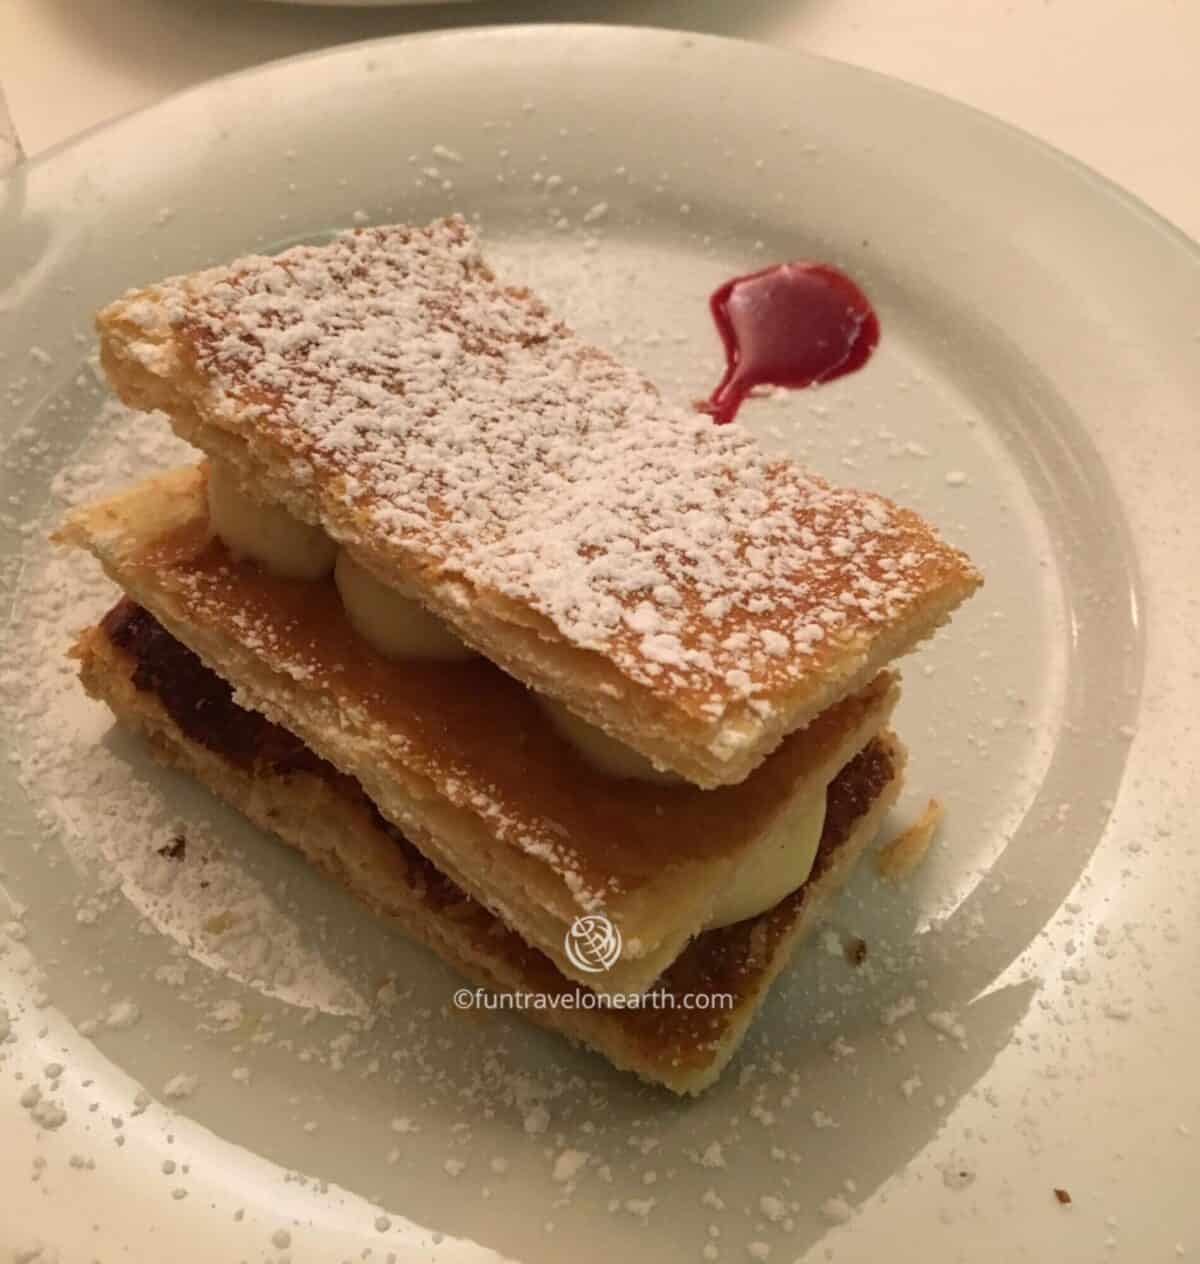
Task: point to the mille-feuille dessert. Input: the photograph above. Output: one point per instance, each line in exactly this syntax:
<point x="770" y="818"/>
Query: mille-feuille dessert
<point x="459" y="607"/>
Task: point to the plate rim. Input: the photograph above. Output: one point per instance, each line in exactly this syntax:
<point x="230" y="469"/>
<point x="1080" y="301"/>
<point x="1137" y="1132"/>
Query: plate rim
<point x="1128" y="201"/>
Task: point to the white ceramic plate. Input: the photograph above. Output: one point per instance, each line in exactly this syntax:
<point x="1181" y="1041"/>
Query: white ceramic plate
<point x="1035" y="393"/>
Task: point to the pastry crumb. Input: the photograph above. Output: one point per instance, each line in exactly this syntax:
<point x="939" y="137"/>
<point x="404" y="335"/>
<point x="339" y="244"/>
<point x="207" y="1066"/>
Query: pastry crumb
<point x="176" y="849"/>
<point x="898" y="858"/>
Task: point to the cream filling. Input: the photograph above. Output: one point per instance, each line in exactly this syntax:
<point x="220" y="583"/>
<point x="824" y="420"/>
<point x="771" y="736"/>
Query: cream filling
<point x="267" y="534"/>
<point x="399" y="627"/>
<point x="778" y="863"/>
<point x="390" y="622"/>
<point x="600" y="750"/>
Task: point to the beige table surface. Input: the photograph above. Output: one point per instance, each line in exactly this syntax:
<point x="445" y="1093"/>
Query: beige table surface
<point x="1112" y="82"/>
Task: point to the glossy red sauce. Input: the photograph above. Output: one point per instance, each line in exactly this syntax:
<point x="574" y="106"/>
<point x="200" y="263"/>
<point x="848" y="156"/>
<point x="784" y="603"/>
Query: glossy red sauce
<point x="791" y="325"/>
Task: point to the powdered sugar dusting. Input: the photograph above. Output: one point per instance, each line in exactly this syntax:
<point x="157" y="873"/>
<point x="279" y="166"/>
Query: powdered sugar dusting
<point x="103" y="808"/>
<point x="492" y="445"/>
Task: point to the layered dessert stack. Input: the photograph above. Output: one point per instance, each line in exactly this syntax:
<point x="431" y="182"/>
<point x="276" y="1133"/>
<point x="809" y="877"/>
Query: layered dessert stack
<point x="459" y="607"/>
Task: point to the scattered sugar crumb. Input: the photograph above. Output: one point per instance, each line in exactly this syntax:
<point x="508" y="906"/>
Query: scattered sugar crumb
<point x="892" y="1014"/>
<point x="775" y="1209"/>
<point x="122" y="1015"/>
<point x="568" y="1164"/>
<point x="536" y="1120"/>
<point x="946" y="1023"/>
<point x="836" y="1210"/>
<point x="180" y="1086"/>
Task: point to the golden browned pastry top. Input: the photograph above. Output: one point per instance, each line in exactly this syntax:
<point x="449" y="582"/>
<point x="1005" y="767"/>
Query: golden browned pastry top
<point x="455" y="433"/>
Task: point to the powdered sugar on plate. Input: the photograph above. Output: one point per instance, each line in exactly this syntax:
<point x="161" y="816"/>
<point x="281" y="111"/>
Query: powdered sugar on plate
<point x="88" y="782"/>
